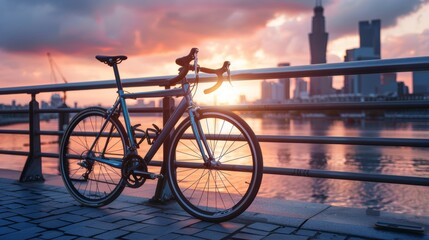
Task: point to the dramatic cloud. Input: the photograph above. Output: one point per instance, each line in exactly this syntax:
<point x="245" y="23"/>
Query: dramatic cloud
<point x="139" y="27"/>
<point x="344" y="15"/>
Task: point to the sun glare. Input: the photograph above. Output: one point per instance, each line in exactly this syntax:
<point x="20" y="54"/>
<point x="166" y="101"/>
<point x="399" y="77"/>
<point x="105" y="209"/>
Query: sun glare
<point x="225" y="95"/>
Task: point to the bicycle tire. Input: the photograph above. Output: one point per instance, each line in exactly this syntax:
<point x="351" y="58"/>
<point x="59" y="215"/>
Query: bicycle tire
<point x="93" y="183"/>
<point x="215" y="193"/>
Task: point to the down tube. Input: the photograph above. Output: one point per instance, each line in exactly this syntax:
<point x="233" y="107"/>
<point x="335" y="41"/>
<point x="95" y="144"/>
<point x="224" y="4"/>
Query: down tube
<point x="180" y="110"/>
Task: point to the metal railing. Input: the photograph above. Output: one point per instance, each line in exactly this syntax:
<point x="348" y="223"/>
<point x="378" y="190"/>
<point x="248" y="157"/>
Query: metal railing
<point x="32" y="170"/>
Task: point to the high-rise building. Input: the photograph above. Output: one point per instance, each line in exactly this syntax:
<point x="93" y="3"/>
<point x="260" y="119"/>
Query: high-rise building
<point x="369" y="38"/>
<point x="300" y="90"/>
<point x="421" y="82"/>
<point x="285" y="82"/>
<point x="369" y="32"/>
<point x="389" y="84"/>
<point x="266" y="91"/>
<point x="318" y="39"/>
<point x="363" y="84"/>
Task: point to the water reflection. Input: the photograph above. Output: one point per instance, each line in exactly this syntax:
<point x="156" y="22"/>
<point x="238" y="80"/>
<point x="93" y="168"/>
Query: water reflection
<point x="402" y="161"/>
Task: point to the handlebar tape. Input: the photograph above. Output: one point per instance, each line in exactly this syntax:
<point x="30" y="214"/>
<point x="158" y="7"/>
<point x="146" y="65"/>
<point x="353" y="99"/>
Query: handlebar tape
<point x="219" y="72"/>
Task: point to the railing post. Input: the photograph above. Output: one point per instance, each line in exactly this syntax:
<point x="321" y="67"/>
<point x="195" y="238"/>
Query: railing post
<point x="163" y="192"/>
<point x="33" y="166"/>
<point x="63" y="122"/>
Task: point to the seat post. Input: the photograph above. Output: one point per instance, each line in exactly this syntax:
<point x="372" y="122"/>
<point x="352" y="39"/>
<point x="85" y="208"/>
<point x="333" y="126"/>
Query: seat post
<point x="117" y="77"/>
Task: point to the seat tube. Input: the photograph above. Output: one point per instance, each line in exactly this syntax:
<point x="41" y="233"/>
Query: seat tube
<point x="124" y="106"/>
<point x="117" y="77"/>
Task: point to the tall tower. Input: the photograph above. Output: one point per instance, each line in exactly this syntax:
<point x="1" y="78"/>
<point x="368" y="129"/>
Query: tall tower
<point x="369" y="33"/>
<point x="318" y="36"/>
<point x="318" y="43"/>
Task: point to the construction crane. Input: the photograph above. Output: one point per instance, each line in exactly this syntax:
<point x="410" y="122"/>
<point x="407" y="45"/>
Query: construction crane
<point x="54" y="70"/>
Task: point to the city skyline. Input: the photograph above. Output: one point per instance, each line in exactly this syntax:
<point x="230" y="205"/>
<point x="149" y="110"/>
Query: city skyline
<point x="153" y="34"/>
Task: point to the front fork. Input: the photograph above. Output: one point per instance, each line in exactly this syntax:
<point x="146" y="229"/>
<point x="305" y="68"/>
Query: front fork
<point x="200" y="137"/>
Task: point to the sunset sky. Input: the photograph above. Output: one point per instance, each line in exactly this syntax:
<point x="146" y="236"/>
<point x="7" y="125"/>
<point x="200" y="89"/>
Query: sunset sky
<point x="249" y="33"/>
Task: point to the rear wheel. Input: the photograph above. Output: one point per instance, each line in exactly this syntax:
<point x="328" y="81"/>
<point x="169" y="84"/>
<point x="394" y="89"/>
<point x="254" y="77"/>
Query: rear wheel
<point x="227" y="186"/>
<point x="93" y="182"/>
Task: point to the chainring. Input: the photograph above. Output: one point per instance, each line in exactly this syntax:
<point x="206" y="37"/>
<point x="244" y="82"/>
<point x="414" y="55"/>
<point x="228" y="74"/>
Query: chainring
<point x="129" y="164"/>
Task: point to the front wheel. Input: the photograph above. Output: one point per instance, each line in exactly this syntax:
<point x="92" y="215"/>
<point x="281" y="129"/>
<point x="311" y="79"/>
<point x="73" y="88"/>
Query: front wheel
<point x="224" y="188"/>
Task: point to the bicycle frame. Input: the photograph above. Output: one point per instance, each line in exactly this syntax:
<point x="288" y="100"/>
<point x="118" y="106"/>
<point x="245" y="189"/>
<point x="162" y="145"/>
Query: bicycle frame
<point x="185" y="104"/>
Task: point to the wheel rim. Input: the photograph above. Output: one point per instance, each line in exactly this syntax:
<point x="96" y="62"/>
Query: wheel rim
<point x="92" y="182"/>
<point x="212" y="190"/>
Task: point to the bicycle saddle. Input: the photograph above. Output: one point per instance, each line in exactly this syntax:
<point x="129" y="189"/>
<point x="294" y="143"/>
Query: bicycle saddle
<point x="110" y="60"/>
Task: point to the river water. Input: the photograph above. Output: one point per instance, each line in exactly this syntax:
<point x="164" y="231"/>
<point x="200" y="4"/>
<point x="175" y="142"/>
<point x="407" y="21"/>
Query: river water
<point x="403" y="161"/>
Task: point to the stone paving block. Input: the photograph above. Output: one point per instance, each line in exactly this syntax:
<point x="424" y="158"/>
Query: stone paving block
<point x="54" y="224"/>
<point x="82" y="231"/>
<point x="4" y="222"/>
<point x="330" y="236"/>
<point x="6" y="230"/>
<point x="254" y="231"/>
<point x="207" y="234"/>
<point x="134" y="227"/>
<point x="134" y="236"/>
<point x="186" y="223"/>
<point x="202" y="224"/>
<point x="169" y="236"/>
<point x="187" y="238"/>
<point x="264" y="226"/>
<point x="66" y="237"/>
<point x="36" y="215"/>
<point x="247" y="236"/>
<point x="94" y="223"/>
<point x="26" y="210"/>
<point x="72" y="218"/>
<point x="14" y="206"/>
<point x="53" y="234"/>
<point x="304" y="232"/>
<point x="277" y="236"/>
<point x="172" y="216"/>
<point x="24" y="234"/>
<point x="160" y="221"/>
<point x="285" y="230"/>
<point x="17" y="219"/>
<point x="22" y="225"/>
<point x="226" y="227"/>
<point x="138" y="217"/>
<point x="123" y="223"/>
<point x="65" y="210"/>
<point x="158" y="230"/>
<point x="188" y="231"/>
<point x="114" y="234"/>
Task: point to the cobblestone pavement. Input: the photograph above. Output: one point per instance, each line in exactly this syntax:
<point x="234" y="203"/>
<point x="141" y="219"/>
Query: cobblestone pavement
<point x="41" y="211"/>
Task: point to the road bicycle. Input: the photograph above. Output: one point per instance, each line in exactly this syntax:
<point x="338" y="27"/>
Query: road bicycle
<point x="214" y="164"/>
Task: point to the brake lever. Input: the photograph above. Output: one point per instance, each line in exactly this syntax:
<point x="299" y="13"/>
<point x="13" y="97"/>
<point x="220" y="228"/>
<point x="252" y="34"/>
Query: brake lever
<point x="196" y="67"/>
<point x="228" y="72"/>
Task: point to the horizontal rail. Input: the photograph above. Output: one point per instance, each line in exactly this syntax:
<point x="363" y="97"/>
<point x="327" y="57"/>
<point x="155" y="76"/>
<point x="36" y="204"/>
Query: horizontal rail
<point x="371" y="177"/>
<point x="10" y="152"/>
<point x="404" y="142"/>
<point x="335" y="106"/>
<point x="330" y="69"/>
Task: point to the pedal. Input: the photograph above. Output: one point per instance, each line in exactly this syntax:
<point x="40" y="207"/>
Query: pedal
<point x="148" y="175"/>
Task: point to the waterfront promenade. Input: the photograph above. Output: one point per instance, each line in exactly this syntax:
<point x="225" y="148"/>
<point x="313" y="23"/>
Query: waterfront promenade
<point x="47" y="211"/>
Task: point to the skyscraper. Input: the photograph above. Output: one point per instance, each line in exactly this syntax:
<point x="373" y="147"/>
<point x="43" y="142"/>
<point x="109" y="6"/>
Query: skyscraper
<point x="369" y="38"/>
<point x="421" y="82"/>
<point x="286" y="82"/>
<point x="369" y="33"/>
<point x="318" y="43"/>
